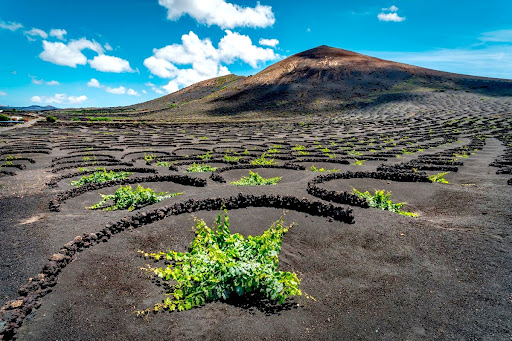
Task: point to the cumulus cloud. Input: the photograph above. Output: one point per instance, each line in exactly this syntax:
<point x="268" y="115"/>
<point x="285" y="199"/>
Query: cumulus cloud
<point x="132" y="92"/>
<point x="2" y="93"/>
<point x="94" y="83"/>
<point x="236" y="46"/>
<point x="106" y="63"/>
<point x="59" y="99"/>
<point x="116" y="91"/>
<point x="202" y="60"/>
<point x="10" y="25"/>
<point x="121" y="90"/>
<point x="35" y="32"/>
<point x="58" y="33"/>
<point x="52" y="83"/>
<point x="220" y="13"/>
<point x="269" y="42"/>
<point x="390" y="17"/>
<point x="68" y="54"/>
<point x="71" y="55"/>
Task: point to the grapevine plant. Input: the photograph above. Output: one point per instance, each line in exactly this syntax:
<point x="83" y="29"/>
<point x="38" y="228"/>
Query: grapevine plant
<point x="382" y="200"/>
<point x="200" y="168"/>
<point x="220" y="264"/>
<point x="128" y="198"/>
<point x="254" y="179"/>
<point x="101" y="176"/>
<point x="439" y="178"/>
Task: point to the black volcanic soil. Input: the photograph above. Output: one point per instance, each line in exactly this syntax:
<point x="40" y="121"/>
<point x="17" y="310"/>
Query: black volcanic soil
<point x="442" y="276"/>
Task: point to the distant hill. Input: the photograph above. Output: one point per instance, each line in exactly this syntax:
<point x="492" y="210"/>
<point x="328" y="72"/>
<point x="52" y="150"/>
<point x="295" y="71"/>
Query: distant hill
<point x="321" y="79"/>
<point x="30" y="108"/>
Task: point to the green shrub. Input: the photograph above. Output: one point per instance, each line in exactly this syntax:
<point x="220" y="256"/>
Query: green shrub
<point x="231" y="158"/>
<point x="439" y="178"/>
<point x="321" y="170"/>
<point x="4" y="117"/>
<point x="101" y="176"/>
<point x="200" y="168"/>
<point x="163" y="164"/>
<point x="383" y="201"/>
<point x="206" y="156"/>
<point x="220" y="264"/>
<point x="263" y="161"/>
<point x="149" y="157"/>
<point x="51" y="119"/>
<point x="99" y="118"/>
<point x="254" y="179"/>
<point x="127" y="198"/>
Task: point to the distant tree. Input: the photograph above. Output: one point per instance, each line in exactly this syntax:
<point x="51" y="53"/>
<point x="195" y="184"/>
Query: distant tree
<point x="51" y="119"/>
<point x="4" y="117"/>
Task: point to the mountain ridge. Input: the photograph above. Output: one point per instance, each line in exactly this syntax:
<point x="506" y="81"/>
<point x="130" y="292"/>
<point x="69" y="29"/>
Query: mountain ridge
<point x="320" y="79"/>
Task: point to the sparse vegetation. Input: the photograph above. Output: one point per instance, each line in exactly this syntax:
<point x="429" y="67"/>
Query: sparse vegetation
<point x="262" y="160"/>
<point x="439" y="178"/>
<point x="126" y="198"/>
<point x="382" y="200"/>
<point x="219" y="265"/>
<point x="322" y="170"/>
<point x="101" y="176"/>
<point x="254" y="179"/>
<point x="162" y="164"/>
<point x="51" y="119"/>
<point x="200" y="168"/>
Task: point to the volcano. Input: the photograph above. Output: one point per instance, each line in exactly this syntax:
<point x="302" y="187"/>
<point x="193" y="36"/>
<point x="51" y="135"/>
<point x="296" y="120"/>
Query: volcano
<point x="321" y="79"/>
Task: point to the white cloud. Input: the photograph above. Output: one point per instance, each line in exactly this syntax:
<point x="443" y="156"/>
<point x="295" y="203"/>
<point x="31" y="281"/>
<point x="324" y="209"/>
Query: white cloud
<point x="77" y="100"/>
<point x="202" y="59"/>
<point x="93" y="83"/>
<point x="390" y="17"/>
<point x="160" y="67"/>
<point x="269" y="42"/>
<point x="68" y="54"/>
<point x="144" y="92"/>
<point x="308" y="30"/>
<point x="37" y="81"/>
<point x="393" y="8"/>
<point x="2" y="93"/>
<point x="52" y="83"/>
<point x="116" y="91"/>
<point x="501" y="36"/>
<point x="10" y="25"/>
<point x="172" y="86"/>
<point x="236" y="46"/>
<point x="132" y="92"/>
<point x="58" y="33"/>
<point x="59" y="99"/>
<point x="36" y="32"/>
<point x="106" y="63"/>
<point x="108" y="47"/>
<point x="220" y="13"/>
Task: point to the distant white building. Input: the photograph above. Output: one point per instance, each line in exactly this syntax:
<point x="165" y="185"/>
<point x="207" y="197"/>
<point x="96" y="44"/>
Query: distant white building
<point x="16" y="118"/>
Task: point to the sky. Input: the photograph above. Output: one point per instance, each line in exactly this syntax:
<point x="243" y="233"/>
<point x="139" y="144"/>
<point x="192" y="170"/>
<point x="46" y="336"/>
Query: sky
<point x="110" y="53"/>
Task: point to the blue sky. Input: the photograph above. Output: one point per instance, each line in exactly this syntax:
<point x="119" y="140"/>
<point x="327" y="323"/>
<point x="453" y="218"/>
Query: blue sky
<point x="109" y="53"/>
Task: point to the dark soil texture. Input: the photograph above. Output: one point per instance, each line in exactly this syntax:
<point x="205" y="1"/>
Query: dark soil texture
<point x="372" y="274"/>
